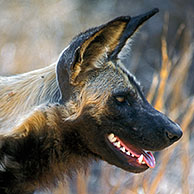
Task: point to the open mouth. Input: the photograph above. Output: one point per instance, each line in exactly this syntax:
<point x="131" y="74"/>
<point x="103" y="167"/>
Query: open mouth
<point x="135" y="156"/>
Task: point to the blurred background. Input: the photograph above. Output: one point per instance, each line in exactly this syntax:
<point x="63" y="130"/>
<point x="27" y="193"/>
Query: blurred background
<point x="34" y="32"/>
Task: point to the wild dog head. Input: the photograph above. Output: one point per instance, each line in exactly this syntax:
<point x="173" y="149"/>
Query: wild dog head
<point x="108" y="107"/>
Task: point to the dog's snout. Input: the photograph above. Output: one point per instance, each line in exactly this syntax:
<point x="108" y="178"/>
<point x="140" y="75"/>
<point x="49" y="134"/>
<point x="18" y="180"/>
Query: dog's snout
<point x="162" y="130"/>
<point x="173" y="132"/>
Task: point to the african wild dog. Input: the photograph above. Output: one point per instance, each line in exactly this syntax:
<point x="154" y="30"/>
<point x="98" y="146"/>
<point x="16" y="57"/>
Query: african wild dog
<point x="86" y="106"/>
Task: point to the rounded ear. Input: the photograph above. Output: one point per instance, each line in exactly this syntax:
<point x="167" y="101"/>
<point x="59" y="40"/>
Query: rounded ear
<point x="91" y="49"/>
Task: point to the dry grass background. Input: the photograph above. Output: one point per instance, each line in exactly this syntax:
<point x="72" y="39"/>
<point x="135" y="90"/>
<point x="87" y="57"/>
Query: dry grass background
<point x="32" y="34"/>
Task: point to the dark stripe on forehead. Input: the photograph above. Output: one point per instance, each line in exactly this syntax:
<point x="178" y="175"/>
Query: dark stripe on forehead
<point x="131" y="78"/>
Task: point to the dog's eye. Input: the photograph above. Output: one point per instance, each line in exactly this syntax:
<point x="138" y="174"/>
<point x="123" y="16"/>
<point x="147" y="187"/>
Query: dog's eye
<point x="120" y="99"/>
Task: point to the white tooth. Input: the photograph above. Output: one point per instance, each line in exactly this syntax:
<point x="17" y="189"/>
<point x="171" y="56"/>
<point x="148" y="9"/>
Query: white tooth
<point x="143" y="162"/>
<point x="122" y="149"/>
<point x="114" y="139"/>
<point x="117" y="144"/>
<point x="132" y="155"/>
<point x="111" y="137"/>
<point x="140" y="159"/>
<point x="128" y="153"/>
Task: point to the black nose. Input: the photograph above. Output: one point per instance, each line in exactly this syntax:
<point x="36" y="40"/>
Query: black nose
<point x="173" y="132"/>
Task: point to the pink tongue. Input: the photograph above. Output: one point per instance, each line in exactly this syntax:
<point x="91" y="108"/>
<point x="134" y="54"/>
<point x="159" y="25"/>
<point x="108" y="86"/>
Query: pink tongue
<point x="149" y="159"/>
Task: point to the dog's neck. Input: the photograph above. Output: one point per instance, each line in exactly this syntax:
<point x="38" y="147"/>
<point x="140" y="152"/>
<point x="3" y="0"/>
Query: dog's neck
<point x="46" y="141"/>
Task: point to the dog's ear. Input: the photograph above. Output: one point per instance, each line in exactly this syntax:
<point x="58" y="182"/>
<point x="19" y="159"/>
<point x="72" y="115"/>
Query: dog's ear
<point x="91" y="49"/>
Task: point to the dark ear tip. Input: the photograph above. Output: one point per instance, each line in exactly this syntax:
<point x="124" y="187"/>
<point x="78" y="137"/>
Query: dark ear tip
<point x="150" y="13"/>
<point x="155" y="10"/>
<point x="140" y="19"/>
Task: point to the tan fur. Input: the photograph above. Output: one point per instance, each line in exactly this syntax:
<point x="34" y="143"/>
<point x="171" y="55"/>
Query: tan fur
<point x="91" y="98"/>
<point x="36" y="120"/>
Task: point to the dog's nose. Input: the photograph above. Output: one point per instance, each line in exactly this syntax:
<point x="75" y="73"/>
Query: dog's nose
<point x="173" y="132"/>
